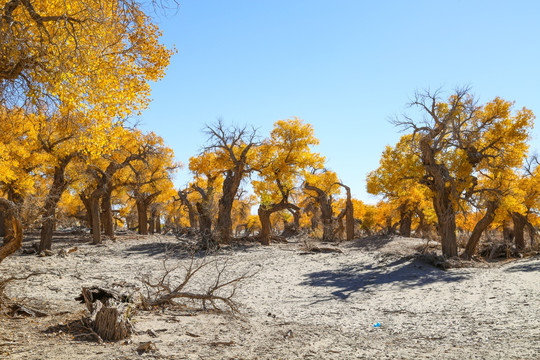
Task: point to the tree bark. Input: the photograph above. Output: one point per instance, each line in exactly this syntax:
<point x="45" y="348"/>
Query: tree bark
<point x="520" y="222"/>
<point x="405" y="222"/>
<point x="192" y="213"/>
<point x="96" y="221"/>
<point x="479" y="228"/>
<point x="264" y="213"/>
<point x="142" y="215"/>
<point x="325" y="205"/>
<point x="230" y="188"/>
<point x="438" y="179"/>
<point x="349" y="214"/>
<point x="13" y="234"/>
<point x="58" y="187"/>
<point x="107" y="213"/>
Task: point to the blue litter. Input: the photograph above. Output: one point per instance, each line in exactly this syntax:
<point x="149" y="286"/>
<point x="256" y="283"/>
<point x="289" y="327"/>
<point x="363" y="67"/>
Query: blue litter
<point x="377" y="325"/>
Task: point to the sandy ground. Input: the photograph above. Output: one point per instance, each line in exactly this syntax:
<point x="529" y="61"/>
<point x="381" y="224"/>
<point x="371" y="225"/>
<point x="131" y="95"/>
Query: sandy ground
<point x="297" y="306"/>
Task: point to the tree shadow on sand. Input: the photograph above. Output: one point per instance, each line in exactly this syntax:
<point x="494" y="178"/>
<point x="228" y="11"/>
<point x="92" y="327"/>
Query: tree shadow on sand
<point x="403" y="272"/>
<point x="525" y="266"/>
<point x="370" y="243"/>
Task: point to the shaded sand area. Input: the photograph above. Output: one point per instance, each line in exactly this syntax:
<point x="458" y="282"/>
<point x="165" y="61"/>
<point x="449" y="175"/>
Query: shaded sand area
<point x="298" y="305"/>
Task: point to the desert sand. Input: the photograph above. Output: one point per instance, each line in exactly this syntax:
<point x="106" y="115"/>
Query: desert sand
<point x="373" y="300"/>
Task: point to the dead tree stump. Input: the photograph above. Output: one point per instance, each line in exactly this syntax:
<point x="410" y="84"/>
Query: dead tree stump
<point x="109" y="313"/>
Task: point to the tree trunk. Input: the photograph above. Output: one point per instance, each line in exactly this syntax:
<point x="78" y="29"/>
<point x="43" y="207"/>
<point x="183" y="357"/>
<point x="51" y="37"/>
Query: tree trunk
<point x="58" y="187"/>
<point x="266" y="226"/>
<point x="446" y="222"/>
<point x="519" y="227"/>
<point x="88" y="206"/>
<point x="205" y="227"/>
<point x="107" y="213"/>
<point x="152" y="222"/>
<point x="405" y="223"/>
<point x="2" y="225"/>
<point x="508" y="232"/>
<point x="192" y="213"/>
<point x="13" y="234"/>
<point x="479" y="228"/>
<point x="438" y="179"/>
<point x="142" y="214"/>
<point x="349" y="214"/>
<point x="230" y="188"/>
<point x="325" y="205"/>
<point x="158" y="223"/>
<point x="96" y="221"/>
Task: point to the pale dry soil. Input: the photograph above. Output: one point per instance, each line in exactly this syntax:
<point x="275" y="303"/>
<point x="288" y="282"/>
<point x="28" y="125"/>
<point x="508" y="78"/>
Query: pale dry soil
<point x="297" y="306"/>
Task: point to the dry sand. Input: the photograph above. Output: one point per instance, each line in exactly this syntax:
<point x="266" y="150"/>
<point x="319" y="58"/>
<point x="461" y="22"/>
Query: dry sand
<point x="298" y="306"/>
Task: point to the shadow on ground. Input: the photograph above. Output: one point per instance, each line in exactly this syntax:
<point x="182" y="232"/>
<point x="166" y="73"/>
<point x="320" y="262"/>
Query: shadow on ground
<point x="525" y="266"/>
<point x="404" y="272"/>
<point x="158" y="248"/>
<point x="370" y="243"/>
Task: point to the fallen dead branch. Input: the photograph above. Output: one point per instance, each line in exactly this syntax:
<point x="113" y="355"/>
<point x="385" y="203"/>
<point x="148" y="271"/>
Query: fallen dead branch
<point x="11" y="308"/>
<point x="217" y="292"/>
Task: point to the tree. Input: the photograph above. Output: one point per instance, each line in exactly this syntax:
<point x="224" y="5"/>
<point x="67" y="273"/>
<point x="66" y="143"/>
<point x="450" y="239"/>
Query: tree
<point x="348" y="212"/>
<point x="207" y="180"/>
<point x="150" y="179"/>
<point x="396" y="179"/>
<point x="233" y="157"/>
<point x="183" y="197"/>
<point x="94" y="56"/>
<point x="457" y="138"/>
<point x="324" y="185"/>
<point x="281" y="160"/>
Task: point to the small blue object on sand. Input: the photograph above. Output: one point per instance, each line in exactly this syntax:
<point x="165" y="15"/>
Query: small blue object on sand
<point x="377" y="325"/>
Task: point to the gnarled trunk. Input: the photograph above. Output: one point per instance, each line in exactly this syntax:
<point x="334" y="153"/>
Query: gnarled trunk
<point x="264" y="213"/>
<point x="438" y="179"/>
<point x="325" y="205"/>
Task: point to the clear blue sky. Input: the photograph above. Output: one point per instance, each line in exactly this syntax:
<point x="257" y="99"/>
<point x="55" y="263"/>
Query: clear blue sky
<point x="343" y="66"/>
